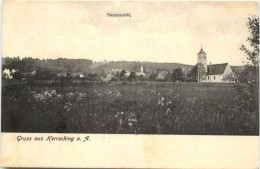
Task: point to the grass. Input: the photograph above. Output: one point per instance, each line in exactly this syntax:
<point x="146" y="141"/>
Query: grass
<point x="156" y="108"/>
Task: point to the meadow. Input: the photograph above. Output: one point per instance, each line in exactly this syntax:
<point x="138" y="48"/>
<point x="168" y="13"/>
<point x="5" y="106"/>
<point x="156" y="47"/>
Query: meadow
<point x="153" y="108"/>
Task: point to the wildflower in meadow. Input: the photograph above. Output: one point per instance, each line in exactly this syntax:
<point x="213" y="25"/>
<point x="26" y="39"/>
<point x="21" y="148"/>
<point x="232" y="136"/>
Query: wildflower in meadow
<point x="45" y="95"/>
<point x="59" y="96"/>
<point x="169" y="102"/>
<point x="81" y="96"/>
<point x="70" y="94"/>
<point x="168" y="111"/>
<point x="119" y="114"/>
<point x="162" y="99"/>
<point x="68" y="106"/>
<point x="120" y="121"/>
<point x="153" y="92"/>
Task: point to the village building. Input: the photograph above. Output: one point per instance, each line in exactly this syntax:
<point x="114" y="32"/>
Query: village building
<point x="221" y="73"/>
<point x="78" y="75"/>
<point x="116" y="71"/>
<point x="109" y="77"/>
<point x="216" y="73"/>
<point x="61" y="74"/>
<point x="140" y="71"/>
<point x="162" y="75"/>
<point x="27" y="74"/>
<point x="127" y="73"/>
<point x="7" y="74"/>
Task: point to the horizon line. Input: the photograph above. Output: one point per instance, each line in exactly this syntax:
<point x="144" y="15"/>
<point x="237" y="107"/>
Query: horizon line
<point x="116" y="60"/>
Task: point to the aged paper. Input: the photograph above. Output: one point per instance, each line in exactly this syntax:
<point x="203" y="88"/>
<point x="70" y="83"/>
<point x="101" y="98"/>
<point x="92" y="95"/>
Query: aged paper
<point x="130" y="84"/>
<point x="132" y="151"/>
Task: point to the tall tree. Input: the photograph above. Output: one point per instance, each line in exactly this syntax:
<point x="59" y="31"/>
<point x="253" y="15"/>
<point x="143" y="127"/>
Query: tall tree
<point x="192" y="75"/>
<point x="177" y="75"/>
<point x="201" y="72"/>
<point x="132" y="76"/>
<point x="197" y="73"/>
<point x="253" y="39"/>
<point x="122" y="74"/>
<point x="249" y="80"/>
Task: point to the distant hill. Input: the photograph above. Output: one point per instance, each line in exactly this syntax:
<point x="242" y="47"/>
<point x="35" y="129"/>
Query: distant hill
<point x="53" y="65"/>
<point x="86" y="65"/>
<point x="135" y="66"/>
<point x="237" y="69"/>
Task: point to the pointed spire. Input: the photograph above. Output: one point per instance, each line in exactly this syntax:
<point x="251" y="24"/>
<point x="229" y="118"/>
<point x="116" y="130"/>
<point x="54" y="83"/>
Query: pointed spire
<point x="201" y="51"/>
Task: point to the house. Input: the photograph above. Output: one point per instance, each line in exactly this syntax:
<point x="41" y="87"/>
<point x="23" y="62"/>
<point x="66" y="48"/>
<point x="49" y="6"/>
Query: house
<point x="162" y="75"/>
<point x="27" y="74"/>
<point x="109" y="77"/>
<point x="127" y="73"/>
<point x="7" y="74"/>
<point x="116" y="71"/>
<point x="14" y="70"/>
<point x="237" y="70"/>
<point x="81" y="76"/>
<point x="78" y="75"/>
<point x="61" y="75"/>
<point x="219" y="73"/>
<point x="140" y="71"/>
<point x="216" y="73"/>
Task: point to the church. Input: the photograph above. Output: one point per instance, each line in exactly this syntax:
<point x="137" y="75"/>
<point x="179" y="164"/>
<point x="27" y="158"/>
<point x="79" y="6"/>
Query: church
<point x="215" y="73"/>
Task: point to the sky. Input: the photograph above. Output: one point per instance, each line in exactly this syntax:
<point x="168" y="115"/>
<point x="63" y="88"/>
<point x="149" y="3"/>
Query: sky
<point x="155" y="32"/>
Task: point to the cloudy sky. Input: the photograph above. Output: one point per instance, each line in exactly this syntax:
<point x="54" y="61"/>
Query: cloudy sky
<point x="156" y="31"/>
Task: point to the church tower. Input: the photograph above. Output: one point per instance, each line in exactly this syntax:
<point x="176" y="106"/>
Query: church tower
<point x="202" y="58"/>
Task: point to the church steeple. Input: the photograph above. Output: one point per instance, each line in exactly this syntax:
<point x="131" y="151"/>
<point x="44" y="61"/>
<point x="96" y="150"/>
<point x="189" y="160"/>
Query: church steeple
<point x="202" y="51"/>
<point x="202" y="58"/>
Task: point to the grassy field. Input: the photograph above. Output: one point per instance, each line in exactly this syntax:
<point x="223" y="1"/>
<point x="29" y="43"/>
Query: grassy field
<point x="156" y="108"/>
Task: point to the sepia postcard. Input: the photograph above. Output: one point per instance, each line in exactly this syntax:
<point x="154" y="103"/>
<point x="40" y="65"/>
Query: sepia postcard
<point x="109" y="84"/>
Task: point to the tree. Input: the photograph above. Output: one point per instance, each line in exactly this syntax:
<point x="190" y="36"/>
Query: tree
<point x="102" y="73"/>
<point x="43" y="75"/>
<point x="201" y="72"/>
<point x="249" y="81"/>
<point x="68" y="76"/>
<point x="153" y="76"/>
<point x="252" y="55"/>
<point x="122" y="74"/>
<point x="197" y="73"/>
<point x="229" y="77"/>
<point x="192" y="75"/>
<point x="132" y="76"/>
<point x="17" y="75"/>
<point x="177" y="75"/>
<point x="169" y="76"/>
<point x="92" y="76"/>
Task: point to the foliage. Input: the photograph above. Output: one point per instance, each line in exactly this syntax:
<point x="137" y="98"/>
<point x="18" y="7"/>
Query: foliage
<point x="177" y="75"/>
<point x="248" y="88"/>
<point x="17" y="75"/>
<point x="192" y="75"/>
<point x="53" y="65"/>
<point x="229" y="78"/>
<point x="201" y="72"/>
<point x="132" y="76"/>
<point x="253" y="39"/>
<point x="197" y="73"/>
<point x="155" y="108"/>
<point x="122" y="74"/>
<point x="153" y="76"/>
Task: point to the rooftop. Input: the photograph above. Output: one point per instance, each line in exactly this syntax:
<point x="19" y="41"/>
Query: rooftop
<point x="201" y="51"/>
<point x="216" y="69"/>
